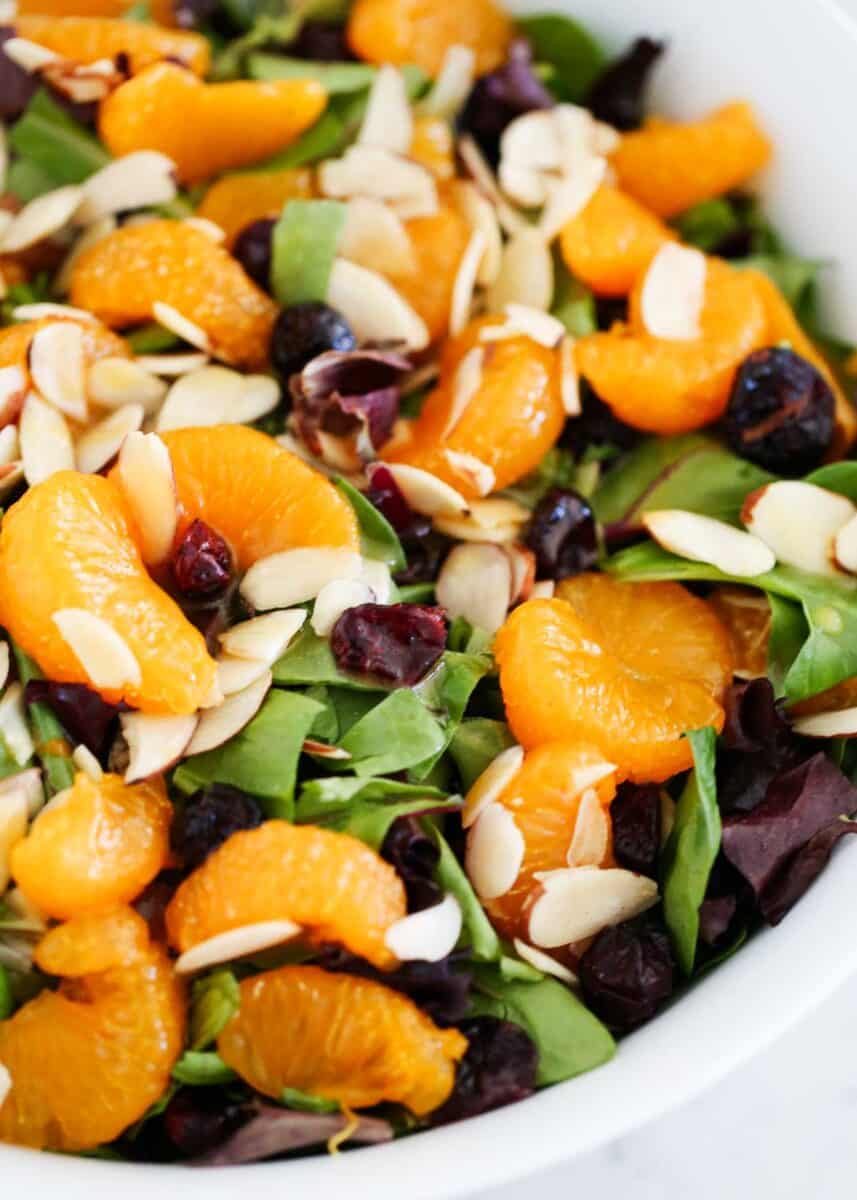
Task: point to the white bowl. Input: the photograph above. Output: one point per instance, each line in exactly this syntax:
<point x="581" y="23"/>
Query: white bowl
<point x="796" y="60"/>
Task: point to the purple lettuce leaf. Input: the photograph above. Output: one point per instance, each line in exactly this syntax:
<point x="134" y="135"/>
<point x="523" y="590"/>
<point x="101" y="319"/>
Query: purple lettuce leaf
<point x="272" y="1131"/>
<point x="757" y="744"/>
<point x="17" y="86"/>
<point x="499" y="1067"/>
<point x="344" y="392"/>
<point x="802" y="871"/>
<point x="501" y="96"/>
<point x="415" y="856"/>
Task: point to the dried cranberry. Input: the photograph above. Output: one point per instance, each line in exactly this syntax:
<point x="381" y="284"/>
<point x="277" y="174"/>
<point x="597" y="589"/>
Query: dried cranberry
<point x="322" y="41"/>
<point x="252" y="248"/>
<point x="304" y="331"/>
<point x="415" y="856"/>
<point x="635" y="815"/>
<point x="501" y="96"/>
<point x="627" y="973"/>
<point x="781" y="412"/>
<point x="394" y="642"/>
<point x="386" y="495"/>
<point x="562" y="535"/>
<point x="86" y="718"/>
<point x="441" y="989"/>
<point x="498" y="1068"/>
<point x="209" y="818"/>
<point x="618" y="94"/>
<point x="202" y="564"/>
<point x="17" y="86"/>
<point x="198" y="1119"/>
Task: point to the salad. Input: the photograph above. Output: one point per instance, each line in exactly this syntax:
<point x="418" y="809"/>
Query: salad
<point x="428" y="567"/>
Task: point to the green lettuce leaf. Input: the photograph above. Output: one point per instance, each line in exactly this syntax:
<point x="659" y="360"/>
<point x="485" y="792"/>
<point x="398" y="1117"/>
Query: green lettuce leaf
<point x="378" y="538"/>
<point x="570" y="49"/>
<point x="203" y="1068"/>
<point x="477" y="931"/>
<point x="323" y="800"/>
<point x="475" y="745"/>
<point x="303" y="249"/>
<point x="215" y="999"/>
<point x="47" y="137"/>
<point x="396" y="734"/>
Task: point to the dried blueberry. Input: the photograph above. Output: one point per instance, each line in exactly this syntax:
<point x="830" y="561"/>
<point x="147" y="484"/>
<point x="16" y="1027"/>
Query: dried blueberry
<point x="501" y="96"/>
<point x="498" y="1068"/>
<point x="198" y="1119"/>
<point x="202" y="563"/>
<point x="441" y="989"/>
<point x="415" y="856"/>
<point x="425" y="551"/>
<point x="562" y="535"/>
<point x="208" y="818"/>
<point x="597" y="428"/>
<point x="396" y="642"/>
<point x="635" y="815"/>
<point x="86" y="718"/>
<point x="618" y="94"/>
<point x="322" y="41"/>
<point x="252" y="248"/>
<point x="627" y="973"/>
<point x="304" y="331"/>
<point x="781" y="412"/>
<point x="17" y="86"/>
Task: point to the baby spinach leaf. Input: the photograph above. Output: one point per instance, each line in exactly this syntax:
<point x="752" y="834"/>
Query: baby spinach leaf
<point x="263" y="758"/>
<point x="573" y="302"/>
<point x="569" y="48"/>
<point x="335" y="77"/>
<point x="446" y="693"/>
<point x="475" y="745"/>
<point x="151" y="339"/>
<point x="371" y="822"/>
<point x="322" y="140"/>
<point x="214" y="1002"/>
<point x="837" y="477"/>
<point x="477" y="930"/>
<point x="416" y="593"/>
<point x="709" y="223"/>
<point x="396" y="734"/>
<point x="326" y="799"/>
<point x="52" y="140"/>
<point x="378" y="538"/>
<point x="26" y="181"/>
<point x="691" y="850"/>
<point x="569" y="1038"/>
<point x="789" y="631"/>
<point x="309" y="660"/>
<point x="558" y="468"/>
<point x="7" y="1002"/>
<point x="304" y="1102"/>
<point x="303" y="248"/>
<point x="202" y="1068"/>
<point x="795" y="277"/>
<point x="515" y="970"/>
<point x="52" y="747"/>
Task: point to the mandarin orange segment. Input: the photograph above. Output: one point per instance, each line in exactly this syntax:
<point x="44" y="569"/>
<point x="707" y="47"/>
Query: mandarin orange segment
<point x="236" y="200"/>
<point x="88" y="39"/>
<point x="92" y="563"/>
<point x="260" y="497"/>
<point x="514" y="418"/>
<point x="611" y="241"/>
<point x="123" y="276"/>
<point x="331" y="884"/>
<point x="669" y="167"/>
<point x="421" y="31"/>
<point x="206" y="128"/>
<point x="626" y="667"/>
<point x="670" y="387"/>
<point x="433" y="146"/>
<point x="162" y="10"/>
<point x="88" y="1060"/>
<point x="98" y="848"/>
<point x="341" y="1038"/>
<point x="747" y="616"/>
<point x="545" y="797"/>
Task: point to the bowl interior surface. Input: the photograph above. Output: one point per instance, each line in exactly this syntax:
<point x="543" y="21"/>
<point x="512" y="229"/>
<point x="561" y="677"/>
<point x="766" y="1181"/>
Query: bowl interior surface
<point x="796" y="62"/>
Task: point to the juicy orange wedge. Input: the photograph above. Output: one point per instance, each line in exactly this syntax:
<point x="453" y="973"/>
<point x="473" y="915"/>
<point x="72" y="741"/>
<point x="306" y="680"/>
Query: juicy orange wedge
<point x="341" y="1038"/>
<point x="88" y="39"/>
<point x="330" y="883"/>
<point x="611" y="241"/>
<point x="627" y="667"/>
<point x="236" y="200"/>
<point x="438" y="243"/>
<point x="88" y="1060"/>
<point x="91" y="562"/>
<point x="162" y="10"/>
<point x="422" y="31"/>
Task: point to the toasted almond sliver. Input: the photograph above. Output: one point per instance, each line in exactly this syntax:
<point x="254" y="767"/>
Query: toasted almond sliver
<point x="323" y="750"/>
<point x="543" y="590"/>
<point x="373" y="308"/>
<point x="29" y="56"/>
<point x="475" y="583"/>
<point x="39" y="312"/>
<point x="172" y="365"/>
<point x="388" y="123"/>
<point x="41" y="218"/>
<point x="141" y="179"/>
<point x="543" y="962"/>
<point x="234" y="944"/>
<point x="85" y="761"/>
<point x="373" y="171"/>
<point x="591" y="835"/>
<point x="13" y="388"/>
<point x="570" y="196"/>
<point x="210" y="228"/>
<point x="102" y="652"/>
<point x="219" y="725"/>
<point x="481" y="216"/>
<point x="673" y="293"/>
<point x="259" y="395"/>
<point x="46" y="443"/>
<point x="155" y="742"/>
<point x="453" y="84"/>
<point x="147" y="481"/>
<point x="491" y="783"/>
<point x="181" y="326"/>
<point x="57" y="367"/>
<point x="428" y="935"/>
<point x="236" y="674"/>
<point x="207" y="396"/>
<point x="474" y="161"/>
<point x="476" y="472"/>
<point x="841" y="723"/>
<point x="114" y="382"/>
<point x="569" y="379"/>
<point x="30" y="781"/>
<point x="799" y="521"/>
<point x="578" y="902"/>
<point x="845" y="547"/>
<point x="14" y="725"/>
<point x="465" y="282"/>
<point x="263" y="638"/>
<point x="526" y="275"/>
<point x="375" y="236"/>
<point x="295" y="576"/>
<point x="425" y="493"/>
<point x="333" y="600"/>
<point x="4" y="663"/>
<point x="465" y="386"/>
<point x="523" y="564"/>
<point x="100" y="443"/>
<point x="13" y="827"/>
<point x="379" y="580"/>
<point x="703" y="539"/>
<point x="495" y="852"/>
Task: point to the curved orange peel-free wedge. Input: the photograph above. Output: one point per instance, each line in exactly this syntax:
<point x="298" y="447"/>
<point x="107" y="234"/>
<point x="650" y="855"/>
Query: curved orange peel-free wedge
<point x="412" y="31"/>
<point x="609" y="244"/>
<point x="88" y="39"/>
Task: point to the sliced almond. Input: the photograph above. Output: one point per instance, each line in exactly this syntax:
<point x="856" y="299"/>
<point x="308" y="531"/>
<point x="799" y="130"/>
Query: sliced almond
<point x="4" y="663"/>
<point x="475" y="163"/>
<point x="323" y="750"/>
<point x="465" y="282"/>
<point x="260" y="395"/>
<point x="14" y="726"/>
<point x="544" y="963"/>
<point x="46" y="442"/>
<point x="591" y="836"/>
<point x="155" y="743"/>
<point x="57" y="367"/>
<point x="544" y="589"/>
<point x="703" y="539"/>
<point x="426" y="936"/>
<point x="42" y="217"/>
<point x="85" y="761"/>
<point x="799" y="521"/>
<point x="570" y="196"/>
<point x="29" y="56"/>
<point x="11" y="475"/>
<point x="13" y="389"/>
<point x="83" y="83"/>
<point x="373" y="308"/>
<point x="522" y="321"/>
<point x="453" y="85"/>
<point x="523" y="564"/>
<point x="425" y="493"/>
<point x="578" y="902"/>
<point x="91" y="236"/>
<point x="46" y="310"/>
<point x="334" y="599"/>
<point x="379" y="580"/>
<point x="569" y="378"/>
<point x="492" y="520"/>
<point x="115" y="382"/>
<point x="375" y="236"/>
<point x="147" y="481"/>
<point x="389" y="122"/>
<point x="210" y="229"/>
<point x="209" y="395"/>
<point x="30" y="782"/>
<point x="845" y="547"/>
<point x="526" y="274"/>
<point x="481" y="216"/>
<point x="236" y="674"/>
<point x="219" y="725"/>
<point x="172" y="365"/>
<point x="295" y="576"/>
<point x="478" y="474"/>
<point x="492" y="783"/>
<point x="181" y="326"/>
<point x="141" y="179"/>
<point x="841" y="723"/>
<point x="103" y="653"/>
<point x="374" y="171"/>
<point x="235" y="944"/>
<point x="475" y="583"/>
<point x="13" y="827"/>
<point x="263" y="638"/>
<point x="673" y="294"/>
<point x="102" y="442"/>
<point x="495" y="852"/>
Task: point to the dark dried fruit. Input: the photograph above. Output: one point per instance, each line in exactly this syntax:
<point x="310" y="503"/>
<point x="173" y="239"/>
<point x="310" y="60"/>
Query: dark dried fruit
<point x="304" y="331"/>
<point x="322" y="41"/>
<point x="501" y="96"/>
<point x="498" y="1068"/>
<point x="193" y="14"/>
<point x="202" y="563"/>
<point x="17" y="86"/>
<point x="635" y="816"/>
<point x="386" y="495"/>
<point x="272" y="1131"/>
<point x="781" y="412"/>
<point x="86" y="718"/>
<point x="345" y="393"/>
<point x="618" y="95"/>
<point x="597" y="428"/>
<point x="563" y="535"/>
<point x="398" y="643"/>
<point x="209" y="818"/>
<point x="198" y="1119"/>
<point x="415" y="856"/>
<point x="441" y="989"/>
<point x="627" y="973"/>
<point x="252" y="248"/>
<point x="757" y="744"/>
<point x="426" y="551"/>
<point x="802" y="871"/>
